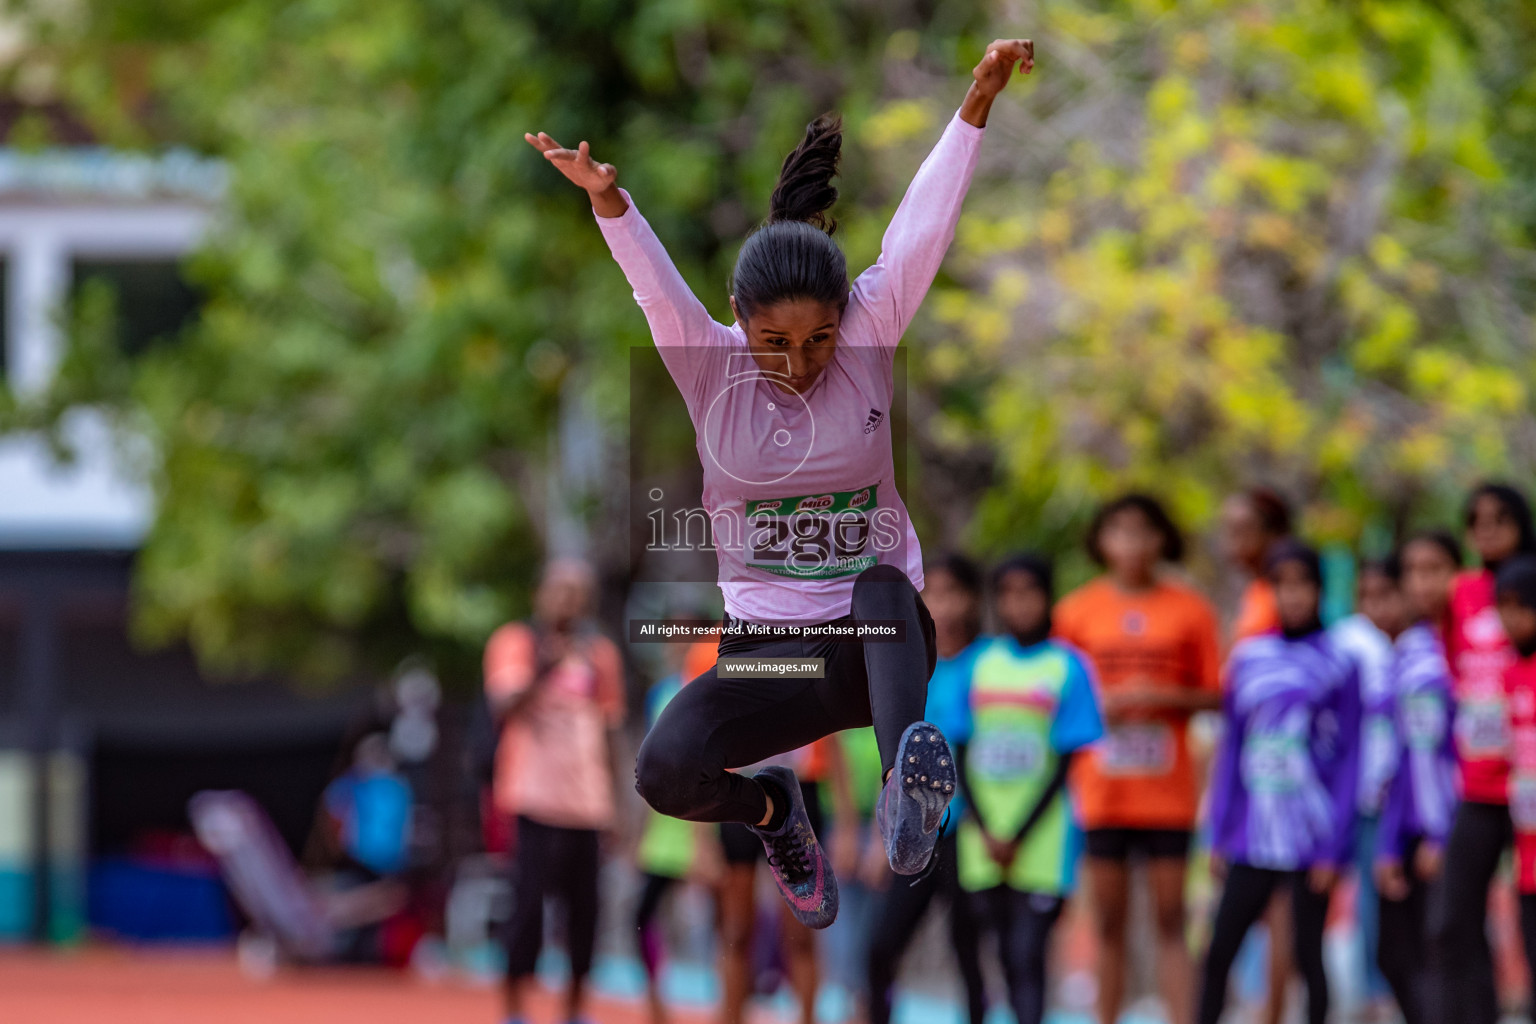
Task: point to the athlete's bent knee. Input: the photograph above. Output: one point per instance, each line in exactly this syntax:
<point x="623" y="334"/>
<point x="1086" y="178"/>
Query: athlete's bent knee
<point x="666" y="777"/>
<point x="882" y="591"/>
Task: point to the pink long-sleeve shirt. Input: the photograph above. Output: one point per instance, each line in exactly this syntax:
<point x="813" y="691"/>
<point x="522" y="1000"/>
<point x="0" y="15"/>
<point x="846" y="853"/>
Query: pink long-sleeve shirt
<point x="801" y="489"/>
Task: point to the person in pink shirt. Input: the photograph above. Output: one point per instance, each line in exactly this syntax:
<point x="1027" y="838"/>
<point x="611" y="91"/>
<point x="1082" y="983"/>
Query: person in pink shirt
<point x="791" y="404"/>
<point x="556" y="689"/>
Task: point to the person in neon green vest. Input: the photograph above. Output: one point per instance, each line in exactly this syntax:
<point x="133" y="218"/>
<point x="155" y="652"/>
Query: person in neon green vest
<point x="1031" y="706"/>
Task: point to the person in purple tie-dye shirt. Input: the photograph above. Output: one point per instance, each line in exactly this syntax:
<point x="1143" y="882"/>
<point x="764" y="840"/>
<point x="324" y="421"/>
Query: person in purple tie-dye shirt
<point x="1284" y="787"/>
<point x="1418" y="796"/>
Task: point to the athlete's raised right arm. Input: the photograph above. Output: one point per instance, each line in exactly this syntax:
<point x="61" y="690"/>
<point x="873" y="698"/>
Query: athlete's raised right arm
<point x="677" y="318"/>
<point x="600" y="181"/>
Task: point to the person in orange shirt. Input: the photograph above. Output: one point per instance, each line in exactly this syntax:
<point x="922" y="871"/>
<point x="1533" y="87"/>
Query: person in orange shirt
<point x="556" y="689"/>
<point x="1154" y="644"/>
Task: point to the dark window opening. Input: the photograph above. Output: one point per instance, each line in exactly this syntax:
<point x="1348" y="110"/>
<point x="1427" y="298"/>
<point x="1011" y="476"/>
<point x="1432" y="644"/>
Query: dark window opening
<point x="152" y="299"/>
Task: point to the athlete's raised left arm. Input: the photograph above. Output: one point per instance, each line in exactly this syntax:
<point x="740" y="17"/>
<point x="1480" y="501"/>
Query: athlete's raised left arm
<point x="924" y="224"/>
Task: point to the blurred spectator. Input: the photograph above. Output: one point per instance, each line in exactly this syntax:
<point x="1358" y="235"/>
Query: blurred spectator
<point x="1251" y="523"/>
<point x="952" y="592"/>
<point x="671" y="850"/>
<point x="1516" y="584"/>
<point x="556" y="688"/>
<point x="1431" y="559"/>
<point x="1420" y="795"/>
<point x="1030" y="708"/>
<point x="1366" y="638"/>
<point x="369" y="807"/>
<point x="1284" y="792"/>
<point x="1499" y="527"/>
<point x="822" y="771"/>
<point x="1153" y="643"/>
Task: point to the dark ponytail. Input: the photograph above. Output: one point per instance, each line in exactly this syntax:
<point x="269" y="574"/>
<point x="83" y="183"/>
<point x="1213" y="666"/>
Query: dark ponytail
<point x="793" y="256"/>
<point x="804" y="191"/>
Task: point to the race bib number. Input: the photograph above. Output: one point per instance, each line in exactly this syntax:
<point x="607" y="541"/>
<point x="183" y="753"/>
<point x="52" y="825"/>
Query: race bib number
<point x="1423" y="722"/>
<point x="1138" y="749"/>
<point x="1274" y="763"/>
<point x="1482" y="728"/>
<point x="1002" y="754"/>
<point x="1522" y="801"/>
<point x="813" y="536"/>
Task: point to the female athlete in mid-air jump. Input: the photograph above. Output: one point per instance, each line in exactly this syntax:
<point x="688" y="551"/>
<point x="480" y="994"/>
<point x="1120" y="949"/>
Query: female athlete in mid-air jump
<point x="791" y="406"/>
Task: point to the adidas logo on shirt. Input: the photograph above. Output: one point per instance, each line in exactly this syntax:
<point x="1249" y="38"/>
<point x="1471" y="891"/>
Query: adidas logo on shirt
<point x="875" y="416"/>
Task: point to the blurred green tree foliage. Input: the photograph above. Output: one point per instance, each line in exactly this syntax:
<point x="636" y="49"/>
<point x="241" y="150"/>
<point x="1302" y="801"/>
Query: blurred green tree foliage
<point x="1212" y="241"/>
<point x="1240" y="240"/>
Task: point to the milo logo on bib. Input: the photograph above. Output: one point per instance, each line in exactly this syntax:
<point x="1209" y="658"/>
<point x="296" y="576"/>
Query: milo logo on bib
<point x="812" y="536"/>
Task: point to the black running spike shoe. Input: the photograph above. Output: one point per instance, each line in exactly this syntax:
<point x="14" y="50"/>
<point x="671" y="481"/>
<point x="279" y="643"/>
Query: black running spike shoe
<point x="912" y="804"/>
<point x="800" y="866"/>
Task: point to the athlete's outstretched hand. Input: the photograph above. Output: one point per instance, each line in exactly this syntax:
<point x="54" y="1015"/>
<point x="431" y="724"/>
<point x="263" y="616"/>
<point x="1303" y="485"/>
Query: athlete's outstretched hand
<point x="992" y="74"/>
<point x="577" y="164"/>
<point x="997" y="66"/>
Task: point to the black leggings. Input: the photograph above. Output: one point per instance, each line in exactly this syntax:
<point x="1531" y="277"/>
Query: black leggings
<point x="1022" y="922"/>
<point x="558" y="862"/>
<point x="1458" y="916"/>
<point x="902" y="907"/>
<point x="647" y="940"/>
<point x="1402" y="945"/>
<point x="714" y="724"/>
<point x="1243" y="901"/>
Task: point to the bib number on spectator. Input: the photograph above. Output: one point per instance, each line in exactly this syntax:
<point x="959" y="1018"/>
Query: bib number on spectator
<point x="1424" y="721"/>
<point x="1002" y="754"/>
<point x="1482" y="728"/>
<point x="1275" y="763"/>
<point x="1138" y="749"/>
<point x="1522" y="801"/>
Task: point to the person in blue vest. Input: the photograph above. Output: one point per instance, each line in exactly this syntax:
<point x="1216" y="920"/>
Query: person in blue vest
<point x="1032" y="705"/>
<point x="370" y="806"/>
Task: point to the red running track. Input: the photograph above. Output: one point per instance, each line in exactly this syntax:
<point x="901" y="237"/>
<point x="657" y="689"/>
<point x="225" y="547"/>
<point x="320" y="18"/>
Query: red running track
<point x="105" y="985"/>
